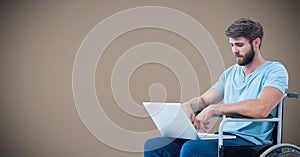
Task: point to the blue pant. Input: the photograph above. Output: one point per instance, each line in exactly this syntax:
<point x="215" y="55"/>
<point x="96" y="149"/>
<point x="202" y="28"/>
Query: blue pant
<point x="170" y="147"/>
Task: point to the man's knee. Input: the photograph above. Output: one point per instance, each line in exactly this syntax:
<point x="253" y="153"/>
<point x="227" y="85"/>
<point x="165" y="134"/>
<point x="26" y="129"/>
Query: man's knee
<point x="156" y="143"/>
<point x="199" y="149"/>
<point x="150" y="145"/>
<point x="163" y="146"/>
<point x="188" y="149"/>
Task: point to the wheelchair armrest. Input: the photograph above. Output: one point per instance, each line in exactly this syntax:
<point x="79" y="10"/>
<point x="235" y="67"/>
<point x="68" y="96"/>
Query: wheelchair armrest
<point x="292" y="95"/>
<point x="241" y="119"/>
<point x="230" y="119"/>
<point x="241" y="116"/>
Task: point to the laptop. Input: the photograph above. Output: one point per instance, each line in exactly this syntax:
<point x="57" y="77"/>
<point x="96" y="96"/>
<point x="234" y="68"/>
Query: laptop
<point x="172" y="121"/>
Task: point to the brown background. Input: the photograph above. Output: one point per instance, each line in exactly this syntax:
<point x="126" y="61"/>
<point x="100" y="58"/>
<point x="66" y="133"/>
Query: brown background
<point x="39" y="41"/>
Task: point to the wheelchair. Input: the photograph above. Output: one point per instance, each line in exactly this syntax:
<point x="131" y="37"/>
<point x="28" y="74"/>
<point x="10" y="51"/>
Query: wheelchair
<point x="277" y="149"/>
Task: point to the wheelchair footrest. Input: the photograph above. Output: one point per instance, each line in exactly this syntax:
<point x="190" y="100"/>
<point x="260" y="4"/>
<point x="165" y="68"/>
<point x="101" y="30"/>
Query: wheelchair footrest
<point x="243" y="151"/>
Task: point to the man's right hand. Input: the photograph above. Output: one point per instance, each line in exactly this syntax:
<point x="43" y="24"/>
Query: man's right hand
<point x="189" y="111"/>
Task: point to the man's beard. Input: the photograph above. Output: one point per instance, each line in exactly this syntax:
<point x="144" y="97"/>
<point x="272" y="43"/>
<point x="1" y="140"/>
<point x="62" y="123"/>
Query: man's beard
<point x="248" y="57"/>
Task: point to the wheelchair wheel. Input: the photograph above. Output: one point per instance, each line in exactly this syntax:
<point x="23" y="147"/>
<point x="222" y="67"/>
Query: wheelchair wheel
<point x="282" y="150"/>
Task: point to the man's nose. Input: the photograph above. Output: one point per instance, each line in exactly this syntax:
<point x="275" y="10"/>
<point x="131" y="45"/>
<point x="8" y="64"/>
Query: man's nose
<point x="235" y="49"/>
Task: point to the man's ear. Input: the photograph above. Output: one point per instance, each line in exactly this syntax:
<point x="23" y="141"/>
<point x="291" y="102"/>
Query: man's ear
<point x="256" y="42"/>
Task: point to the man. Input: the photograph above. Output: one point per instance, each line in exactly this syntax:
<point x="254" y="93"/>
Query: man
<point x="252" y="87"/>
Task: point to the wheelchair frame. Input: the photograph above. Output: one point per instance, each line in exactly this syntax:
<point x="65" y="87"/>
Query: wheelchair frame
<point x="277" y="120"/>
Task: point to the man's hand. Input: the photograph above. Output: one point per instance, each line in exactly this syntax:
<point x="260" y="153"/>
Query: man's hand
<point x="201" y="120"/>
<point x="201" y="103"/>
<point x="189" y="111"/>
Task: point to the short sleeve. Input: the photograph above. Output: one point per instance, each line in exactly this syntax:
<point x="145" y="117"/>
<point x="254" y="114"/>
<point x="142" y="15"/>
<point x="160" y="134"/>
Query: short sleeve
<point x="277" y="76"/>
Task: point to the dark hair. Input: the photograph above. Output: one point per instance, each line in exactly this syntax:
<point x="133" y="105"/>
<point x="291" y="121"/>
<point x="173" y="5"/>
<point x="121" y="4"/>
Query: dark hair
<point x="245" y="28"/>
